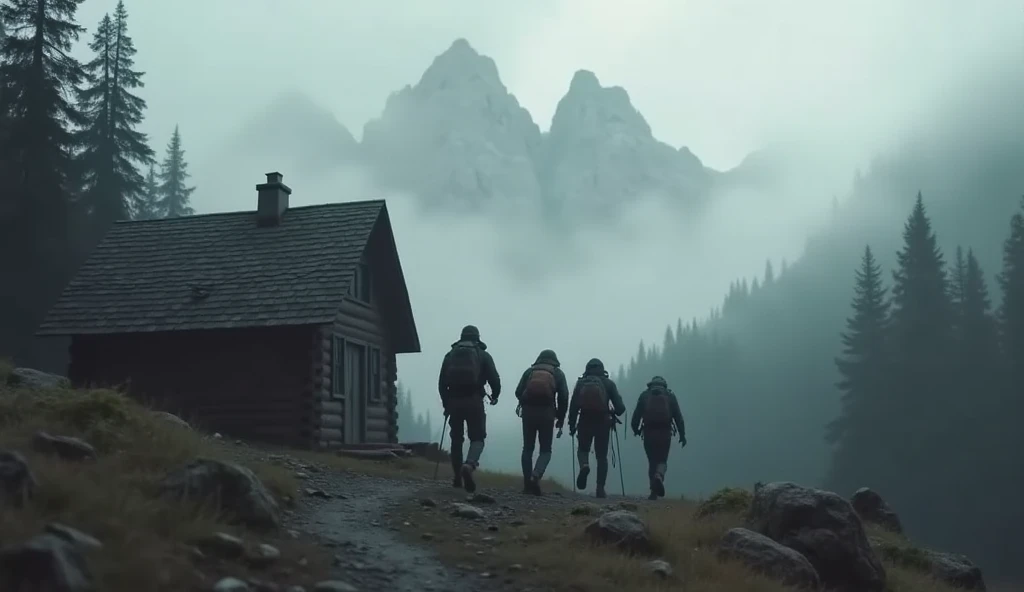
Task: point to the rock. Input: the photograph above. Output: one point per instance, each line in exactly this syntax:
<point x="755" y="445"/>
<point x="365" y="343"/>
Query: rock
<point x="467" y="511"/>
<point x="311" y="492"/>
<point x="956" y="570"/>
<point x="65" y="447"/>
<point x="428" y="503"/>
<point x="334" y="586"/>
<point x="295" y="589"/>
<point x="36" y="379"/>
<point x="621" y="528"/>
<point x="263" y="586"/>
<point x="482" y="498"/>
<point x="73" y="536"/>
<point x="586" y="509"/>
<point x="872" y="508"/>
<point x="263" y="555"/>
<point x="761" y="554"/>
<point x="221" y="544"/>
<point x="660" y="567"/>
<point x="628" y="506"/>
<point x="45" y="562"/>
<point x="235" y="487"/>
<point x="171" y="418"/>
<point x="824" y="528"/>
<point x="231" y="585"/>
<point x="427" y="536"/>
<point x="17" y="484"/>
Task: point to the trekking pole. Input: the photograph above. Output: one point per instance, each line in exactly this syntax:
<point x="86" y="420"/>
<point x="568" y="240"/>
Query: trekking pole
<point x="437" y="465"/>
<point x="618" y="448"/>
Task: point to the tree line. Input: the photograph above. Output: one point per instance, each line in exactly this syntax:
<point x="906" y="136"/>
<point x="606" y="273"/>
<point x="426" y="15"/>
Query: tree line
<point x="72" y="156"/>
<point x="413" y="426"/>
<point x="921" y="403"/>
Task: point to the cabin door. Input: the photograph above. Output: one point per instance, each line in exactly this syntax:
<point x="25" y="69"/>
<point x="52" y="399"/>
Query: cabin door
<point x="355" y="393"/>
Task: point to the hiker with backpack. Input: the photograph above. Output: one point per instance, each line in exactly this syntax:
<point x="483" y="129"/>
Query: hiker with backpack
<point x="466" y="368"/>
<point x="658" y="409"/>
<point x="590" y="416"/>
<point x="543" y="397"/>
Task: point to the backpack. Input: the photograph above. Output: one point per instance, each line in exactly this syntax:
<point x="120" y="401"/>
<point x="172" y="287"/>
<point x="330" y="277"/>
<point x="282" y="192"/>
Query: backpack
<point x="658" y="408"/>
<point x="463" y="371"/>
<point x="541" y="386"/>
<point x="592" y="396"/>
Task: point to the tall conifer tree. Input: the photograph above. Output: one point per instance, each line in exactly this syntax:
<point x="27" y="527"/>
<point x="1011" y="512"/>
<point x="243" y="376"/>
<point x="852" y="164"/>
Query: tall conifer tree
<point x="175" y="194"/>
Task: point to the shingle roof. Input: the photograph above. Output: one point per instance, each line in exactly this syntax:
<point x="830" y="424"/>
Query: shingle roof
<point x="217" y="271"/>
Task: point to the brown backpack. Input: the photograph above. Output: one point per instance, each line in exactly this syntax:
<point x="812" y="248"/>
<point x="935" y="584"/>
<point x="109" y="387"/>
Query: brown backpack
<point x="541" y="386"/>
<point x="592" y="396"/>
<point x="658" y="408"/>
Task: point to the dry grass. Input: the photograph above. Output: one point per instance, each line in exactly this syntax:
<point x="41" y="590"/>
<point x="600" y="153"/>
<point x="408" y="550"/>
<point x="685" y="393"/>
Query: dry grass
<point x="551" y="551"/>
<point x="114" y="498"/>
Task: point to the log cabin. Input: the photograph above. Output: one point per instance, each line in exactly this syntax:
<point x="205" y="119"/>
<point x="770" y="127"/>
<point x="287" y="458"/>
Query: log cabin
<point x="279" y="325"/>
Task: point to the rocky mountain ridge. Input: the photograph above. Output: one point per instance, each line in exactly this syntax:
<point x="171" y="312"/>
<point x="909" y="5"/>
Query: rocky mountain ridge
<point x="459" y="138"/>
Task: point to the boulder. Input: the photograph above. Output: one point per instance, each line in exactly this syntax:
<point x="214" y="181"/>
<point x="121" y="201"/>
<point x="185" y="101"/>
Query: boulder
<point x="824" y="528"/>
<point x="234" y="487"/>
<point x="872" y="508"/>
<point x="36" y="379"/>
<point x="17" y="484"/>
<point x="763" y="555"/>
<point x="49" y="561"/>
<point x="66" y="447"/>
<point x="956" y="570"/>
<point x="621" y="528"/>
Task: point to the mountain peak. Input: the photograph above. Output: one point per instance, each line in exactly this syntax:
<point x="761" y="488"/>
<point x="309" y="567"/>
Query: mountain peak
<point x="584" y="81"/>
<point x="460" y="63"/>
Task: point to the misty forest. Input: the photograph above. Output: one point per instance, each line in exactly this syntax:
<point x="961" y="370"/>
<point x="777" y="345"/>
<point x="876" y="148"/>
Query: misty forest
<point x="889" y="353"/>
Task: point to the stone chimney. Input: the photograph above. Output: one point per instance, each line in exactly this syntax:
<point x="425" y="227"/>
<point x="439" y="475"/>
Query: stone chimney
<point x="272" y="200"/>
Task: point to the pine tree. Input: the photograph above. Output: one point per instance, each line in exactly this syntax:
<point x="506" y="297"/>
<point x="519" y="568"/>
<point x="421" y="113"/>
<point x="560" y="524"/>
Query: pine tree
<point x="148" y="207"/>
<point x="862" y="367"/>
<point x="769" y="273"/>
<point x="112" y="146"/>
<point x="174" y="191"/>
<point x="39" y="75"/>
<point x="1011" y="311"/>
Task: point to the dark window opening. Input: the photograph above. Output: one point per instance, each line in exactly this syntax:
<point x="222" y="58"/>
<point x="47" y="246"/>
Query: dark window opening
<point x="338" y="367"/>
<point x="362" y="284"/>
<point x="375" y="374"/>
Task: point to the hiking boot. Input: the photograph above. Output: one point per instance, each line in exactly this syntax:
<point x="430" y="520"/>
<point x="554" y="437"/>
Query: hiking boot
<point x="457" y="481"/>
<point x="653" y="496"/>
<point x="581" y="479"/>
<point x="600" y="492"/>
<point x="526" y="486"/>
<point x="535" y="487"/>
<point x="467" y="478"/>
<point x="658" y="486"/>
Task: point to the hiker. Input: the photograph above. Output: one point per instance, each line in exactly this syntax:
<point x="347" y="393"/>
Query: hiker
<point x="658" y="409"/>
<point x="466" y="368"/>
<point x="589" y="406"/>
<point x="543" y="397"/>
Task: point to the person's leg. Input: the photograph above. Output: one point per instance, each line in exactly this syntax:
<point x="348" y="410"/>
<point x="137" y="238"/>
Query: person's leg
<point x="456" y="427"/>
<point x="476" y="428"/>
<point x="661" y="441"/>
<point x="585" y="436"/>
<point x="529" y="437"/>
<point x="652" y="462"/>
<point x="602" y="437"/>
<point x="545" y="427"/>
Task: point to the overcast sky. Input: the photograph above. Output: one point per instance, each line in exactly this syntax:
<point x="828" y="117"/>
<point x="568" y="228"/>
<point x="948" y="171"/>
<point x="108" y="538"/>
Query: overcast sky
<point x="719" y="76"/>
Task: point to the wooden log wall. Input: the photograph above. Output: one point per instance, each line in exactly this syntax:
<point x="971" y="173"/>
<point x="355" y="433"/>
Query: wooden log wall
<point x="244" y="383"/>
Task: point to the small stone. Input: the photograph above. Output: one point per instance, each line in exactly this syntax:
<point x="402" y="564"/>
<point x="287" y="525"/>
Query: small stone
<point x="221" y="544"/>
<point x="264" y="555"/>
<point x="467" y="511"/>
<point x="427" y="536"/>
<point x="660" y="567"/>
<point x="428" y="503"/>
<point x="311" y="492"/>
<point x="515" y="567"/>
<point x="481" y="498"/>
<point x="487" y="575"/>
<point x="295" y="589"/>
<point x="492" y="527"/>
<point x="303" y="562"/>
<point x="231" y="585"/>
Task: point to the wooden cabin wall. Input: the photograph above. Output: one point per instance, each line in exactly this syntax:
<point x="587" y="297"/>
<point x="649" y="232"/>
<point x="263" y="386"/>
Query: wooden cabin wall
<point x="361" y="323"/>
<point x="244" y="383"/>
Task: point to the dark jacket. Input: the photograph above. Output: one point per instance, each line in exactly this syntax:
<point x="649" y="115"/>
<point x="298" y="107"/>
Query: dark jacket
<point x="595" y="367"/>
<point x="561" y="401"/>
<point x="488" y="373"/>
<point x="641" y="406"/>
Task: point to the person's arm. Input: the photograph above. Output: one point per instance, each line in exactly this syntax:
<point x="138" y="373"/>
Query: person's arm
<point x="562" y="398"/>
<point x="677" y="416"/>
<point x="616" y="398"/>
<point x="522" y="383"/>
<point x="442" y="388"/>
<point x="638" y="412"/>
<point x="491" y="375"/>
<point x="574" y="407"/>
